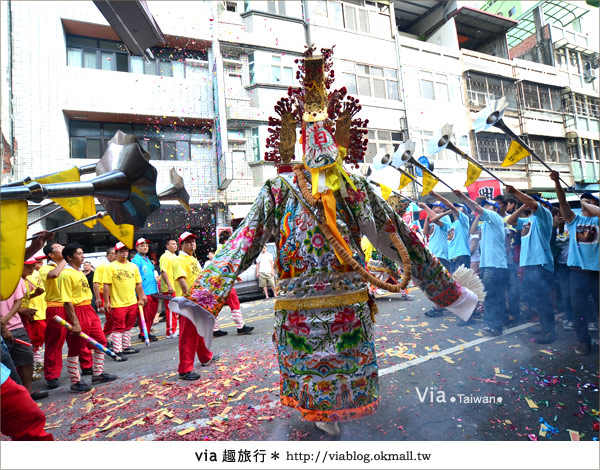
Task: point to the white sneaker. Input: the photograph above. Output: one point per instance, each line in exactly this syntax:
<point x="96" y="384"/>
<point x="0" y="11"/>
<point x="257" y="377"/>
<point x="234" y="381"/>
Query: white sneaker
<point x="328" y="427"/>
<point x="173" y="335"/>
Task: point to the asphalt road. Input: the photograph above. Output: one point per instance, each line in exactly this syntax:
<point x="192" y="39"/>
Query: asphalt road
<point x="438" y="381"/>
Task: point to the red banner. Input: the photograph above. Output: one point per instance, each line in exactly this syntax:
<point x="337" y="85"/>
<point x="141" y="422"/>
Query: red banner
<point x="488" y="189"/>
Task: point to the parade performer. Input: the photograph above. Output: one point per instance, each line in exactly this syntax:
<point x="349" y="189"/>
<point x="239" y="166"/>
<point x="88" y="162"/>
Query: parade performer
<point x="77" y="298"/>
<point x="318" y="215"/>
<point x="36" y="328"/>
<point x="149" y="284"/>
<point x="56" y="334"/>
<point x="167" y="285"/>
<point x="98" y="286"/>
<point x="185" y="271"/>
<point x="122" y="281"/>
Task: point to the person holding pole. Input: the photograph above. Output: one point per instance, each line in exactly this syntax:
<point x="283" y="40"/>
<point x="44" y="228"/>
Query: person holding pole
<point x="77" y="297"/>
<point x="584" y="230"/>
<point x="167" y="285"/>
<point x="122" y="281"/>
<point x="98" y="286"/>
<point x="536" y="258"/>
<point x="149" y="285"/>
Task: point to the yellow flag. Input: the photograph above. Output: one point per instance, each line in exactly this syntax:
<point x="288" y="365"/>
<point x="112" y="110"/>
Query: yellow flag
<point x="123" y="232"/>
<point x="429" y="182"/>
<point x="78" y="207"/>
<point x="516" y="153"/>
<point x="473" y="172"/>
<point x="404" y="180"/>
<point x="13" y="233"/>
<point x="367" y="248"/>
<point x="385" y="191"/>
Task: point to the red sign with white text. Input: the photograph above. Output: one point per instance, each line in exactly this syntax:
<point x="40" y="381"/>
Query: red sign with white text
<point x="488" y="189"/>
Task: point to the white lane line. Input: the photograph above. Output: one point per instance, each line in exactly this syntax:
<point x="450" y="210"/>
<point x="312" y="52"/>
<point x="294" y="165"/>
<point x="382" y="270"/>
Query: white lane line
<point x="389" y="370"/>
<point x="445" y="352"/>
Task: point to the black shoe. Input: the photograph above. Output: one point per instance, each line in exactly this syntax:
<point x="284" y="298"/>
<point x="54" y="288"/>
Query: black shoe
<point x="545" y="338"/>
<point x="433" y="313"/>
<point x="487" y="331"/>
<point x="245" y="330"/>
<point x="214" y="358"/>
<point x="462" y="323"/>
<point x="218" y="333"/>
<point x="130" y="350"/>
<point x="583" y="349"/>
<point x="189" y="376"/>
<point x="52" y="384"/>
<point x="39" y="394"/>
<point x="120" y="357"/>
<point x="537" y="330"/>
<point x="103" y="377"/>
<point x="86" y="371"/>
<point x="109" y="345"/>
<point x="151" y="338"/>
<point x="80" y="387"/>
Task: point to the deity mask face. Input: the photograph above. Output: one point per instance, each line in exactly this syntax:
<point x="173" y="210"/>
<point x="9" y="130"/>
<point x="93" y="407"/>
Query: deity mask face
<point x="315" y="98"/>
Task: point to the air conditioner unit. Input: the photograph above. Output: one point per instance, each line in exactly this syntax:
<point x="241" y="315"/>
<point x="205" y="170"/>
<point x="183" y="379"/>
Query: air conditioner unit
<point x="589" y="74"/>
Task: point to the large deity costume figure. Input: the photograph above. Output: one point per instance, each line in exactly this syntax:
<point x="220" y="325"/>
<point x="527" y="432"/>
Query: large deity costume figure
<point x="323" y="316"/>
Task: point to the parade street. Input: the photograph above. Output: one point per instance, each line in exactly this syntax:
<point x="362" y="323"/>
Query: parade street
<point x="438" y="381"/>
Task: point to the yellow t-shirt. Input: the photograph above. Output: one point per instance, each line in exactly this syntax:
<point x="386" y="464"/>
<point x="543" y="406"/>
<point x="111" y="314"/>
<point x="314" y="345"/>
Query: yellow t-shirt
<point x="39" y="302"/>
<point x="185" y="266"/>
<point x="98" y="275"/>
<point x="51" y="286"/>
<point x="166" y="265"/>
<point x="123" y="277"/>
<point x="74" y="286"/>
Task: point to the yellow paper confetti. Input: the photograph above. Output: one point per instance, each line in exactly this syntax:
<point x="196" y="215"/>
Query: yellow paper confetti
<point x="186" y="431"/>
<point x="531" y="403"/>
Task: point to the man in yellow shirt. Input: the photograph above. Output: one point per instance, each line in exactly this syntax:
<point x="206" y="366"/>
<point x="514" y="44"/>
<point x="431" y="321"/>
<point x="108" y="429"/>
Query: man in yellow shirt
<point x="55" y="333"/>
<point x="185" y="271"/>
<point x="99" y="288"/>
<point x="122" y="280"/>
<point x="36" y="327"/>
<point x="77" y="297"/>
<point x="167" y="284"/>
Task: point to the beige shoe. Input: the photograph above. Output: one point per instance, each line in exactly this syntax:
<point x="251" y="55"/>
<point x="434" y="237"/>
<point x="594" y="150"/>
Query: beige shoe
<point x="328" y="427"/>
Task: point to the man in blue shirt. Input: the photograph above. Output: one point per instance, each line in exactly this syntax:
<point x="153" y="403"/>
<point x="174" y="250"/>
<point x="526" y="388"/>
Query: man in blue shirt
<point x="584" y="230"/>
<point x="492" y="264"/>
<point x="149" y="284"/>
<point x="536" y="259"/>
<point x="438" y="240"/>
<point x="459" y="253"/>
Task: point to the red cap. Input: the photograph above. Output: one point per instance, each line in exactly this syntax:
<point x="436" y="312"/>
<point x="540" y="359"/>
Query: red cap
<point x="185" y="235"/>
<point x="141" y="240"/>
<point x="120" y="246"/>
<point x="30" y="261"/>
<point x="40" y="257"/>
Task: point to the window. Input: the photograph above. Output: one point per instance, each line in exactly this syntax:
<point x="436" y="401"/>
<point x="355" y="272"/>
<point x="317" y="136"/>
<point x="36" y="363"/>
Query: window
<point x="483" y="88"/>
<point x="90" y="139"/>
<point x="541" y="97"/>
<point x="100" y="54"/>
<point x="269" y="68"/>
<point x="550" y="150"/>
<point x="231" y="6"/>
<point x="255" y="144"/>
<point x="512" y="11"/>
<point x="561" y="58"/>
<point x="276" y="6"/>
<point x="434" y="86"/>
<point x="379" y="139"/>
<point x="491" y="147"/>
<point x="574" y="62"/>
<point x="369" y="80"/>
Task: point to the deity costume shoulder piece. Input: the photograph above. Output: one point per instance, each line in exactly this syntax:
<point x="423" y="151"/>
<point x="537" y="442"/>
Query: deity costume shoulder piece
<point x="318" y="214"/>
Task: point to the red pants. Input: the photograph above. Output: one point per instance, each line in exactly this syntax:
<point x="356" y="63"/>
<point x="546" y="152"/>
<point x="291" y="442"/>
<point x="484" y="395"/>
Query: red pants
<point x="150" y="310"/>
<point x="36" y="331"/>
<point x="91" y="326"/>
<point x="55" y="339"/>
<point x="190" y="344"/>
<point x="124" y="317"/>
<point x="108" y="323"/>
<point x="232" y="301"/>
<point x="170" y="317"/>
<point x="20" y="417"/>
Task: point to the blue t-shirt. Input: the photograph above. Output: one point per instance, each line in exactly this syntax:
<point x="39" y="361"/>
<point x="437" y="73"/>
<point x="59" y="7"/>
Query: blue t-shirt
<point x="4" y="373"/>
<point x="583" y="243"/>
<point x="438" y="240"/>
<point x="147" y="272"/>
<point x="536" y="232"/>
<point x="493" y="252"/>
<point x="458" y="237"/>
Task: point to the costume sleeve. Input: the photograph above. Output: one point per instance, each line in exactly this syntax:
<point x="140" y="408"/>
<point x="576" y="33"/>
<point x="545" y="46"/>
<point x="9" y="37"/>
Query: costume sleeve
<point x="178" y="269"/>
<point x="138" y="275"/>
<point x="214" y="283"/>
<point x="107" y="275"/>
<point x="98" y="275"/>
<point x="377" y="221"/>
<point x="65" y="286"/>
<point x="163" y="264"/>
